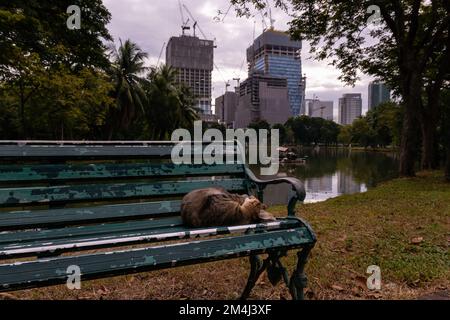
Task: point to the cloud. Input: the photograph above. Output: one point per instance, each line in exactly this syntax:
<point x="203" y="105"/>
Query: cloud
<point x="151" y="23"/>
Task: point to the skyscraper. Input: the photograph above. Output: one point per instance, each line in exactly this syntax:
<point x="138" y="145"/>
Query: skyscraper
<point x="275" y="54"/>
<point x="193" y="58"/>
<point x="350" y="108"/>
<point x="378" y="94"/>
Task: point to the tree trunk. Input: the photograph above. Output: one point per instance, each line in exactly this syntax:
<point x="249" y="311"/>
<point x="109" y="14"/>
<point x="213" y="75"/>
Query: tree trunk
<point x="408" y="146"/>
<point x="429" y="161"/>
<point x="447" y="165"/>
<point x="411" y="88"/>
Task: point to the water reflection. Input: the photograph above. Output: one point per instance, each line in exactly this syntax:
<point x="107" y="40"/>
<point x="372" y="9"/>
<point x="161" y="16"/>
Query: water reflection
<point x="329" y="173"/>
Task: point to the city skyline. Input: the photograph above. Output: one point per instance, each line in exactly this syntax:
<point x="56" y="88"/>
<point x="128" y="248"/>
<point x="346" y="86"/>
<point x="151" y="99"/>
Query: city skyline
<point x="233" y="36"/>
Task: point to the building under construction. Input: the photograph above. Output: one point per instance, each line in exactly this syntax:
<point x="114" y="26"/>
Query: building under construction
<point x="275" y="54"/>
<point x="262" y="97"/>
<point x="193" y="58"/>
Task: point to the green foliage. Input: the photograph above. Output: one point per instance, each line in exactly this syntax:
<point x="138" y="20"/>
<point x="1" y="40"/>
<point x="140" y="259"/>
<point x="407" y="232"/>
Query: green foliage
<point x="170" y="106"/>
<point x="386" y="122"/>
<point x="259" y="125"/>
<point x="57" y="83"/>
<point x="59" y="104"/>
<point x="309" y="130"/>
<point x="362" y="133"/>
<point x="32" y="26"/>
<point x="283" y="132"/>
<point x="126" y="70"/>
<point x="345" y="135"/>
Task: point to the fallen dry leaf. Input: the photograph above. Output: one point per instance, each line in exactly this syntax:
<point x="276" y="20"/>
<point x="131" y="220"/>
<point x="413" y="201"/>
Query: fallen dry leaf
<point x="337" y="288"/>
<point x="417" y="240"/>
<point x="8" y="296"/>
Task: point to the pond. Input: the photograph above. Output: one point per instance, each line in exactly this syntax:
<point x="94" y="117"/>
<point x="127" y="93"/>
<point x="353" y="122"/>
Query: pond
<point x="329" y="173"/>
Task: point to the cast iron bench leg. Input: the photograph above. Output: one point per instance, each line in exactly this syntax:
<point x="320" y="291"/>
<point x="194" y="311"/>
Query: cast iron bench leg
<point x="299" y="281"/>
<point x="257" y="267"/>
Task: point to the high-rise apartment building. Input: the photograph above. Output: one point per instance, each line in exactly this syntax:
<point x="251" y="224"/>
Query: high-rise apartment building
<point x="350" y="108"/>
<point x="193" y="58"/>
<point x="378" y="94"/>
<point x="275" y="54"/>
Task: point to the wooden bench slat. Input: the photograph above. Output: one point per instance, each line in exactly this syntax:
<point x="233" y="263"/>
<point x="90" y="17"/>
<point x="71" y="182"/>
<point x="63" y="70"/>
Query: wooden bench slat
<point x="41" y="218"/>
<point x="23" y="275"/>
<point x="55" y="151"/>
<point x="171" y="229"/>
<point x="16" y="173"/>
<point x="88" y="230"/>
<point x="29" y="151"/>
<point x="92" y="192"/>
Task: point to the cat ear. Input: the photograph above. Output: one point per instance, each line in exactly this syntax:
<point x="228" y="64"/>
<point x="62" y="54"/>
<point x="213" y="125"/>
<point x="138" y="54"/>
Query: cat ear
<point x="266" y="216"/>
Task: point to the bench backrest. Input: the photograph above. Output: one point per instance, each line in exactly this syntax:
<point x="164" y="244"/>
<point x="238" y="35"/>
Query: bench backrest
<point x="42" y="175"/>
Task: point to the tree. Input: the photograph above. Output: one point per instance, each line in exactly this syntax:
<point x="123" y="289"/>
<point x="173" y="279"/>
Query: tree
<point x="170" y="105"/>
<point x="63" y="106"/>
<point x="436" y="77"/>
<point x="126" y="70"/>
<point x="385" y="121"/>
<point x="309" y="130"/>
<point x="345" y="135"/>
<point x="32" y="26"/>
<point x="445" y="130"/>
<point x="397" y="50"/>
<point x="362" y="133"/>
<point x="35" y="41"/>
<point x="283" y="132"/>
<point x="187" y="113"/>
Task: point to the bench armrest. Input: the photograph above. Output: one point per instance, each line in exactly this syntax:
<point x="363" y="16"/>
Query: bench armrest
<point x="297" y="187"/>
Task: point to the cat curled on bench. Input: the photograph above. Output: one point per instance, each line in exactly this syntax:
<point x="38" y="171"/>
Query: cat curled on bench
<point x="218" y="207"/>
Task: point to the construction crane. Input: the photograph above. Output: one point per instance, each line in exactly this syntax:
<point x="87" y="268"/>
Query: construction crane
<point x="269" y="9"/>
<point x="196" y="25"/>
<point x="263" y="21"/>
<point x="238" y="80"/>
<point x="184" y="23"/>
<point x="268" y="13"/>
<point x="321" y="107"/>
<point x="160" y="54"/>
<point x="227" y="85"/>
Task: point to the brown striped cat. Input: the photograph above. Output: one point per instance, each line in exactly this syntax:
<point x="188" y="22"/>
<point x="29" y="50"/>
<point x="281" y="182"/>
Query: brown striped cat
<point x="217" y="207"/>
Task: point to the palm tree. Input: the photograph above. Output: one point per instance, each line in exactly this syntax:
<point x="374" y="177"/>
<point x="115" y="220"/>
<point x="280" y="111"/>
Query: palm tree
<point x="127" y="69"/>
<point x="169" y="104"/>
<point x="162" y="101"/>
<point x="187" y="112"/>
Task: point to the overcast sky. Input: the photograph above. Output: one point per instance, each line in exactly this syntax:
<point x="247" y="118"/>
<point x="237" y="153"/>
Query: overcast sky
<point x="151" y="23"/>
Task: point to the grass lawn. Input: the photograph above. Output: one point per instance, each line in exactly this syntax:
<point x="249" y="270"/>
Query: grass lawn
<point x="403" y="226"/>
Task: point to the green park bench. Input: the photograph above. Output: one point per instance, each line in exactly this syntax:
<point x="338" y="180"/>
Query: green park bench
<point x="113" y="209"/>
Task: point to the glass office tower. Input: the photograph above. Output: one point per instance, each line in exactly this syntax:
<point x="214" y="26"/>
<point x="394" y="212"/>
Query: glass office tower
<point x="275" y="54"/>
<point x="378" y="94"/>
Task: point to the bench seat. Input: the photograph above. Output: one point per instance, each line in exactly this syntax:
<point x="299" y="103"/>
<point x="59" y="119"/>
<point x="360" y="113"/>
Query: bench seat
<point x="114" y="209"/>
<point x="54" y="270"/>
<point x="60" y="240"/>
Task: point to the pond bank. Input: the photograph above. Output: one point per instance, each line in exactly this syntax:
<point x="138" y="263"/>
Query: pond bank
<point x="402" y="226"/>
